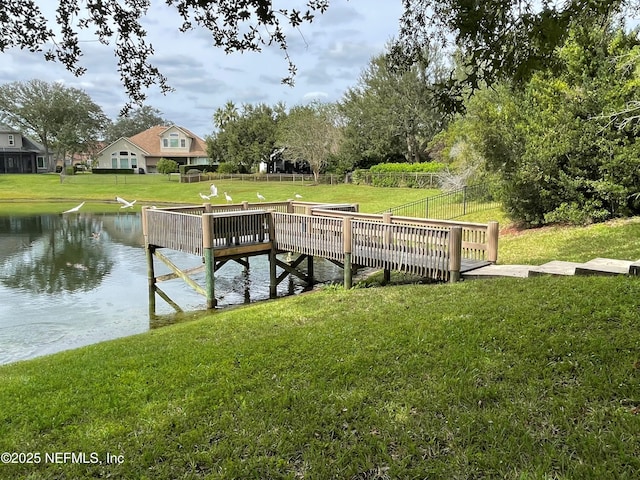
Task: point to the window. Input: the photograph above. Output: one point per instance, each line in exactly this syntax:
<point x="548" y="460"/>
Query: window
<point x="12" y="141"/>
<point x="183" y="143"/>
<point x="173" y="140"/>
<point x="114" y="162"/>
<point x="40" y="162"/>
<point x="165" y="143"/>
<point x="124" y="162"/>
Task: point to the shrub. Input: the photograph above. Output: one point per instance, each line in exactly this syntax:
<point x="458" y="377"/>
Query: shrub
<point x="226" y="167"/>
<point x="167" y="166"/>
<point x="424" y="167"/>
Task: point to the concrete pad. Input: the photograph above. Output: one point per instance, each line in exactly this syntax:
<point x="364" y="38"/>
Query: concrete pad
<point x="556" y="267"/>
<point x="495" y="271"/>
<point x="604" y="266"/>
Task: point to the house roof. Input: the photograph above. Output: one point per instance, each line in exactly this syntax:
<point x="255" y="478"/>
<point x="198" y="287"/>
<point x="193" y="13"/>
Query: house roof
<point x="7" y="129"/>
<point x="149" y="141"/>
<point x="28" y="145"/>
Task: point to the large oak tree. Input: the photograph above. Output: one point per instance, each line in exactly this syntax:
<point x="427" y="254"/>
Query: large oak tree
<point x="61" y="118"/>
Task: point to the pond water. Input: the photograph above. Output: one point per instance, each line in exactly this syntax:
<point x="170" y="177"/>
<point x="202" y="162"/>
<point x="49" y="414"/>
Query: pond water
<point x="73" y="280"/>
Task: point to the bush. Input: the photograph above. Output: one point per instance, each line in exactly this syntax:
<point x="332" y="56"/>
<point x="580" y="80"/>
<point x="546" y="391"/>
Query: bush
<point x="424" y="167"/>
<point x="226" y="167"/>
<point x="167" y="166"/>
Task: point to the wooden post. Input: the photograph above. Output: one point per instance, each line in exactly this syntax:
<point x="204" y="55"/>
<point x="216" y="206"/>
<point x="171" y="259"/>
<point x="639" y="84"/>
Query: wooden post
<point x="149" y="249"/>
<point x="273" y="278"/>
<point x="492" y="242"/>
<point x="310" y="269"/>
<point x="209" y="260"/>
<point x="387" y="218"/>
<point x="245" y="205"/>
<point x="347" y="235"/>
<point x="455" y="253"/>
<point x="207" y="207"/>
<point x="151" y="277"/>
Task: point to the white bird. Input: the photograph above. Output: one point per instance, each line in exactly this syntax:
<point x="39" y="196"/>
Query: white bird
<point x="124" y="203"/>
<point x="204" y="197"/>
<point x="297" y="195"/>
<point x="74" y="209"/>
<point x="214" y="191"/>
<point x="229" y="199"/>
<point x="261" y="197"/>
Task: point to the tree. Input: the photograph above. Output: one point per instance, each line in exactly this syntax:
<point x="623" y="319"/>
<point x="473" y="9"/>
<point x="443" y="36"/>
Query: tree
<point x="311" y="133"/>
<point x="499" y="39"/>
<point x="139" y="120"/>
<point x="246" y="137"/>
<point x="393" y="113"/>
<point x="235" y="25"/>
<point x="559" y="157"/>
<point x="59" y="117"/>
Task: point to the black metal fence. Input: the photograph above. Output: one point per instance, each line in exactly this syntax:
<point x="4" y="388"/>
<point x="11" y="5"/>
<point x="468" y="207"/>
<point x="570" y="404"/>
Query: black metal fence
<point x="449" y="205"/>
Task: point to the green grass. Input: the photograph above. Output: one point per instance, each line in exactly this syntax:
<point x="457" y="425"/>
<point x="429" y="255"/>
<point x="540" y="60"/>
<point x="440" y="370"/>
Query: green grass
<point x="517" y="379"/>
<point x="511" y="378"/>
<point x="153" y="189"/>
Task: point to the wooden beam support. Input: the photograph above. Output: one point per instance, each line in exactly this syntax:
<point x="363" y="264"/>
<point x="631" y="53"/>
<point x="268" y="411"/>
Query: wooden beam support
<point x="180" y="274"/>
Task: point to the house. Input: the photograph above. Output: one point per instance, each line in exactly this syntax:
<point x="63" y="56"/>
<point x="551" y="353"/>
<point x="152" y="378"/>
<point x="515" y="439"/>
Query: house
<point x="142" y="151"/>
<point x="19" y="154"/>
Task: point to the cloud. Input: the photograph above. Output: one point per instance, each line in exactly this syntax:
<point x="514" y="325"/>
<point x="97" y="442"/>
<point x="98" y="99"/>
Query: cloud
<point x="329" y="54"/>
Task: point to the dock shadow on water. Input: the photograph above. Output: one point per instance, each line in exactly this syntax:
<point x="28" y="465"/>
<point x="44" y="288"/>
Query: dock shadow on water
<point x="73" y="280"/>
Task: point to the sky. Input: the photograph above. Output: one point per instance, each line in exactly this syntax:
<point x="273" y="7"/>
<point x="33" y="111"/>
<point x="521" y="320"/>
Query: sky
<point x="330" y="54"/>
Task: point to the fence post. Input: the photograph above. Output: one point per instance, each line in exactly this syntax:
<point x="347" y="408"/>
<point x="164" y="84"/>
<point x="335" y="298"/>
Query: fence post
<point x="346" y="229"/>
<point x="455" y="253"/>
<point x="492" y="241"/>
<point x="245" y="205"/>
<point x="209" y="260"/>
<point x="464" y="200"/>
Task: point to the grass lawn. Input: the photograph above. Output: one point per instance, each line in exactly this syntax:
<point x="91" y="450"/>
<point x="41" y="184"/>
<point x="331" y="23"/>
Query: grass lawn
<point x="153" y="189"/>
<point x="522" y="379"/>
<point x="510" y="378"/>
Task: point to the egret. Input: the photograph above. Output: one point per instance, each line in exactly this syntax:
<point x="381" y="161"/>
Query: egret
<point x="261" y="197"/>
<point x="204" y="197"/>
<point x="297" y="195"/>
<point x="74" y="209"/>
<point x="214" y="191"/>
<point x="124" y="203"/>
<point x="228" y="198"/>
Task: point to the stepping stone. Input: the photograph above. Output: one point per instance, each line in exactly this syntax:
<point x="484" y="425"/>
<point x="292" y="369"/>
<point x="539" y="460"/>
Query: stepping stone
<point x="495" y="271"/>
<point x="556" y="267"/>
<point x="604" y="266"/>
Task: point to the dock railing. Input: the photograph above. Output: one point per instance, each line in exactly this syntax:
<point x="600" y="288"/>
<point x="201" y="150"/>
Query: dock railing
<point x="479" y="240"/>
<point x="428" y="248"/>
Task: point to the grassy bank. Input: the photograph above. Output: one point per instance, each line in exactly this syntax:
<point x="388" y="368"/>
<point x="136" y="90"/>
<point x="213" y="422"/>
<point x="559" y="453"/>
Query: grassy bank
<point x="535" y="378"/>
<point x="152" y="189"/>
<point x="519" y="379"/>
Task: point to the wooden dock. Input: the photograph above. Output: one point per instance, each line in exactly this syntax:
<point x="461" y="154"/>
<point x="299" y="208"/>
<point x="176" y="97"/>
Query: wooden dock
<point x="439" y="250"/>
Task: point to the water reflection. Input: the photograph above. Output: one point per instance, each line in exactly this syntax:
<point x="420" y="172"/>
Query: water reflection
<point x="64" y="254"/>
<point x="72" y="280"/>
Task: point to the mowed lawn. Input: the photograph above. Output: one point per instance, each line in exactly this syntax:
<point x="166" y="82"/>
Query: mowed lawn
<point x="500" y="379"/>
<point x="154" y="189"/>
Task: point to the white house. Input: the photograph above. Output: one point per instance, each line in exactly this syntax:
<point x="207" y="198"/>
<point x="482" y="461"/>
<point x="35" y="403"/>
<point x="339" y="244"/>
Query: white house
<point x="142" y="151"/>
